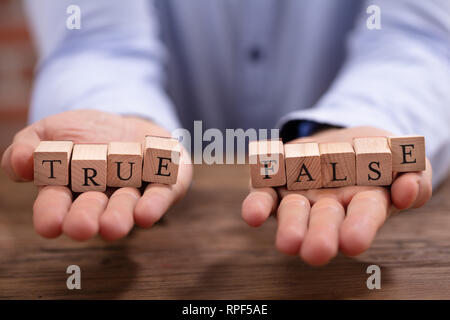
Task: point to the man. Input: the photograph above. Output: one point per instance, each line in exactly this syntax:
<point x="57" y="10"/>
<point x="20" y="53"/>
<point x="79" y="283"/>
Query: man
<point x="311" y="68"/>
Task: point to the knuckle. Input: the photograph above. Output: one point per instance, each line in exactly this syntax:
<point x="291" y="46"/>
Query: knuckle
<point x="372" y="197"/>
<point x="127" y="192"/>
<point x="295" y="199"/>
<point x="329" y="205"/>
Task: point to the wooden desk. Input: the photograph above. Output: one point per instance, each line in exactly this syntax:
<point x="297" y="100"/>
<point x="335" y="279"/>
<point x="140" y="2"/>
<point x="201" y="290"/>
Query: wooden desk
<point x="203" y="249"/>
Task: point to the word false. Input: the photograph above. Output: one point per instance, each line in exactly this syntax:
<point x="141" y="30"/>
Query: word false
<point x="369" y="161"/>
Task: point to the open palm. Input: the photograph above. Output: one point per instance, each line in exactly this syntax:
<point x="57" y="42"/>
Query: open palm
<point x="55" y="211"/>
<point x="316" y="223"/>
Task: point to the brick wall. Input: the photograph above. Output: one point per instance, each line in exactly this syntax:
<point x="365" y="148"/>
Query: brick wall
<point x="17" y="60"/>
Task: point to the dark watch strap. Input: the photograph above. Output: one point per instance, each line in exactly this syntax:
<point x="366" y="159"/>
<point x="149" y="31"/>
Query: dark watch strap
<point x="302" y="128"/>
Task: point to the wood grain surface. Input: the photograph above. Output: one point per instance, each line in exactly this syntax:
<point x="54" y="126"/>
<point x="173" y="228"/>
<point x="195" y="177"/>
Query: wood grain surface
<point x="88" y="160"/>
<point x="303" y="169"/>
<point x="373" y="161"/>
<point x="124" y="165"/>
<point x="52" y="163"/>
<point x="203" y="249"/>
<point x="267" y="165"/>
<point x="161" y="158"/>
<point x="342" y="156"/>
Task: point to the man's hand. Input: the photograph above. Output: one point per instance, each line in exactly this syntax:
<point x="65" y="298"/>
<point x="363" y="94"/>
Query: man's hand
<point x="316" y="223"/>
<point x="56" y="212"/>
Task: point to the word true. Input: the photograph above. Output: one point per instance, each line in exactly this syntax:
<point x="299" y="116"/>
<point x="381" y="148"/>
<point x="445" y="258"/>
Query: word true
<point x="93" y="167"/>
<point x="368" y="162"/>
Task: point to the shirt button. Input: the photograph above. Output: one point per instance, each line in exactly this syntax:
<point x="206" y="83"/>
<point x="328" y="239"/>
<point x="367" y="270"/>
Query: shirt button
<point x="255" y="54"/>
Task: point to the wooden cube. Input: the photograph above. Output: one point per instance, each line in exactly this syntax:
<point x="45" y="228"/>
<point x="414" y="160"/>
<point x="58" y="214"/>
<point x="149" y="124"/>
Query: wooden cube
<point x="408" y="153"/>
<point x="124" y="164"/>
<point x="302" y="166"/>
<point x="51" y="163"/>
<point x="267" y="167"/>
<point x="337" y="164"/>
<point x="373" y="161"/>
<point x="161" y="159"/>
<point x="88" y="167"/>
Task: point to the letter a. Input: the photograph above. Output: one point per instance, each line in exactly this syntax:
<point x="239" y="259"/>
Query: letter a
<point x="74" y="281"/>
<point x="373" y="22"/>
<point x="374" y="281"/>
<point x="74" y="20"/>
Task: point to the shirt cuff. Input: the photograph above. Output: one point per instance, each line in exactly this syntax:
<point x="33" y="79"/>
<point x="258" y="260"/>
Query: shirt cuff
<point x="301" y="128"/>
<point x="343" y="117"/>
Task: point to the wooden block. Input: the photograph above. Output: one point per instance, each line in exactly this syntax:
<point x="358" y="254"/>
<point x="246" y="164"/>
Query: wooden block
<point x="337" y="164"/>
<point x="373" y="161"/>
<point x="51" y="163"/>
<point x="408" y="153"/>
<point x="88" y="167"/>
<point x="267" y="167"/>
<point x="161" y="159"/>
<point x="302" y="166"/>
<point x="124" y="164"/>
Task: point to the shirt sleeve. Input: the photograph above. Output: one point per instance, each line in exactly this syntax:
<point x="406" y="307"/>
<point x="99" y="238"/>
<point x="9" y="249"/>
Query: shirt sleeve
<point x="113" y="62"/>
<point x="396" y="78"/>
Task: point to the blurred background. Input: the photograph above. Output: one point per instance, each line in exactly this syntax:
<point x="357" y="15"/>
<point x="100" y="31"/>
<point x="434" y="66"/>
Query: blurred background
<point x="17" y="60"/>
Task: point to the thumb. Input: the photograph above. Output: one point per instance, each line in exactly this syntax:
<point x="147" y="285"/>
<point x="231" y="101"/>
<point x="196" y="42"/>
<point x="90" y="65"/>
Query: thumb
<point x="17" y="161"/>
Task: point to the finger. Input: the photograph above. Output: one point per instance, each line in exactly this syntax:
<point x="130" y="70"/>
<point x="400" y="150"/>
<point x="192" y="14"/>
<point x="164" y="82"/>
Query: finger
<point x="258" y="205"/>
<point x="117" y="220"/>
<point x="155" y="201"/>
<point x="343" y="194"/>
<point x="292" y="217"/>
<point x="82" y="221"/>
<point x="412" y="189"/>
<point x="321" y="240"/>
<point x="17" y="161"/>
<point x="157" y="198"/>
<point x="50" y="207"/>
<point x="366" y="213"/>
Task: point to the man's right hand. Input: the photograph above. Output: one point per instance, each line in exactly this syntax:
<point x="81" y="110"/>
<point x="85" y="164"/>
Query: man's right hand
<point x="55" y="211"/>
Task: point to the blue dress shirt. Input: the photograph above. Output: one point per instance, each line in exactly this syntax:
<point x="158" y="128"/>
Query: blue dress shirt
<point x="252" y="63"/>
